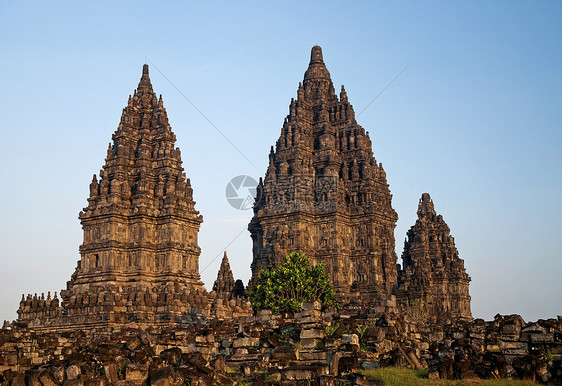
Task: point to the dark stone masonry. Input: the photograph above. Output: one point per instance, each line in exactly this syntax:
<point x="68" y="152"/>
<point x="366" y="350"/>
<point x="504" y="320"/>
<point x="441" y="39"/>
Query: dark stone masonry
<point x="135" y="311"/>
<point x="325" y="195"/>
<point x="433" y="275"/>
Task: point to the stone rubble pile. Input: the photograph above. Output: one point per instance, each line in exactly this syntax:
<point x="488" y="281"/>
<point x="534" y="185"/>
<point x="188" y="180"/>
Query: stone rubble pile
<point x="322" y="348"/>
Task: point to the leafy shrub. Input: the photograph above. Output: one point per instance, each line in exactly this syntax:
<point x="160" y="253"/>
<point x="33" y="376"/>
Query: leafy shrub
<point x="331" y="329"/>
<point x="295" y="281"/>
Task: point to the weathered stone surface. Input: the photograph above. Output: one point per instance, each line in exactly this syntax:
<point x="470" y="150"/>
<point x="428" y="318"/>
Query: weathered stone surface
<point x="325" y="195"/>
<point x="263" y="316"/>
<point x="18" y="380"/>
<point x="98" y="381"/>
<point x="165" y="377"/>
<point x="171" y="355"/>
<point x="58" y="374"/>
<point x="314" y="355"/>
<point x="542" y="338"/>
<point x="47" y="378"/>
<point x="110" y="371"/>
<point x="243" y="342"/>
<point x="285" y="353"/>
<point x="352" y="339"/>
<point x="137" y="373"/>
<point x="311" y="306"/>
<point x="73" y="372"/>
<point x="374" y="334"/>
<point x="313" y="333"/>
<point x="432" y="283"/>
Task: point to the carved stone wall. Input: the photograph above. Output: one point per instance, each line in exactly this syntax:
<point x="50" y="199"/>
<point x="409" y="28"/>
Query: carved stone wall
<point x="325" y="195"/>
<point x="433" y="279"/>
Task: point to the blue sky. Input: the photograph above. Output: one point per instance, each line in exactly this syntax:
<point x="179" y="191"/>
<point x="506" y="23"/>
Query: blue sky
<point x="475" y="121"/>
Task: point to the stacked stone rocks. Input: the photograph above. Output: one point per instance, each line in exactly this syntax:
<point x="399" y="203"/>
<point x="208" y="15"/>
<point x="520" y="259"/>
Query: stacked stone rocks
<point x="433" y="279"/>
<point x="506" y="347"/>
<point x="325" y="195"/>
<point x="312" y="346"/>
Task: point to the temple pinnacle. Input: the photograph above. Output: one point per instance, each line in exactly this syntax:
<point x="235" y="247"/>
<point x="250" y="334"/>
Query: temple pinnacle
<point x="425" y="206"/>
<point x="316" y="55"/>
<point x="145" y="83"/>
<point x="316" y="69"/>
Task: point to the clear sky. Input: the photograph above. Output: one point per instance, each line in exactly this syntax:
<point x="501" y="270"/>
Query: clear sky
<point x="475" y="120"/>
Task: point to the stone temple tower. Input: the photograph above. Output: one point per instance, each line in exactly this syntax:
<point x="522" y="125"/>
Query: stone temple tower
<point x="433" y="275"/>
<point x="324" y="194"/>
<point x="140" y="257"/>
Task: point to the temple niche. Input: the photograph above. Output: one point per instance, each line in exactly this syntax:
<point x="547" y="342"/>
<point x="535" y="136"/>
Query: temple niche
<point x="325" y="195"/>
<point x="433" y="278"/>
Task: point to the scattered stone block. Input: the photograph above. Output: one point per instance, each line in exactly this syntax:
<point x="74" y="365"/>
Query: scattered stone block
<point x="171" y="356"/>
<point x="285" y="353"/>
<point x="73" y="372"/>
<point x="47" y="378"/>
<point x="165" y="376"/>
<point x="352" y="339"/>
<point x="136" y="373"/>
<point x="18" y="380"/>
<point x="110" y="371"/>
<point x="368" y="365"/>
<point x="309" y="306"/>
<point x="263" y="316"/>
<point x="310" y="343"/>
<point x="313" y="333"/>
<point x="98" y="381"/>
<point x="243" y="342"/>
<point x="541" y="338"/>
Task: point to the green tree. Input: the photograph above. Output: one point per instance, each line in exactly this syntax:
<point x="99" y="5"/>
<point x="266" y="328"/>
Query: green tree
<point x="295" y="281"/>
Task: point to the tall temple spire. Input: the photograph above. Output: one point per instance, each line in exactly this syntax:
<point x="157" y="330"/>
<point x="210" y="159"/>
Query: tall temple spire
<point x="432" y="273"/>
<point x="225" y="279"/>
<point x="325" y="195"/>
<point x="140" y="224"/>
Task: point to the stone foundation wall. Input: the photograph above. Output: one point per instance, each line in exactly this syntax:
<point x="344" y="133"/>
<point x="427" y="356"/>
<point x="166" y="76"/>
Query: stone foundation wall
<point x="144" y="308"/>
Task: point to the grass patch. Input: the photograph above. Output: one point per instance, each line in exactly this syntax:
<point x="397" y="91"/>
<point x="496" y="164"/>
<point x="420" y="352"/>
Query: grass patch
<point x="230" y="370"/>
<point x="399" y="376"/>
<point x="394" y="376"/>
